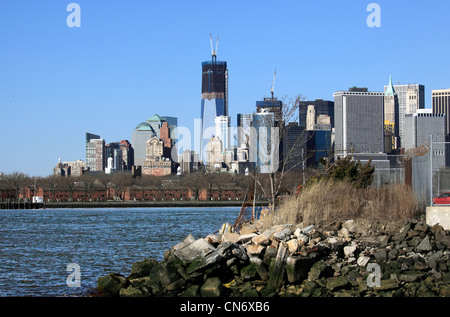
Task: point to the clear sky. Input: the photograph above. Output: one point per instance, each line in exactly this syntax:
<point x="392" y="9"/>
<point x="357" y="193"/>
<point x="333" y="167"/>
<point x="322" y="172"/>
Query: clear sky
<point x="132" y="59"/>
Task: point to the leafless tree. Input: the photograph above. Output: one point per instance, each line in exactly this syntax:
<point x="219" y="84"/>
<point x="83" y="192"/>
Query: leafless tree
<point x="270" y="172"/>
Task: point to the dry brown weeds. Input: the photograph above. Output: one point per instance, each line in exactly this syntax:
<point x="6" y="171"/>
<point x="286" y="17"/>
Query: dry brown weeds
<point x="327" y="201"/>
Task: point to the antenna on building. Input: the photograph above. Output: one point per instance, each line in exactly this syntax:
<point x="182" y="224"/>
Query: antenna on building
<point x="214" y="52"/>
<point x="273" y="83"/>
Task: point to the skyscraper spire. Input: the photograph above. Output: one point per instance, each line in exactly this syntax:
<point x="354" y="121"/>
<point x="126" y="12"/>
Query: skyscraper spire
<point x="390" y="91"/>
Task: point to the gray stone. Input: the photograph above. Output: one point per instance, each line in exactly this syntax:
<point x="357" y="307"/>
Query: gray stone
<point x="283" y="234"/>
<point x="130" y="291"/>
<point x="186" y="241"/>
<point x="308" y="229"/>
<point x="202" y="262"/>
<point x="380" y="255"/>
<point x="212" y="288"/>
<point x="193" y="250"/>
<point x="425" y="245"/>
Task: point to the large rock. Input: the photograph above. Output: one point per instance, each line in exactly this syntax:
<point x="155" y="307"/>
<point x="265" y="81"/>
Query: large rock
<point x="212" y="288"/>
<point x="142" y="268"/>
<point x="297" y="268"/>
<point x="425" y="245"/>
<point x="111" y="284"/>
<point x="189" y="252"/>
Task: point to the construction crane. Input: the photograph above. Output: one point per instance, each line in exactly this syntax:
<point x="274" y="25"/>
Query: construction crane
<point x="273" y="84"/>
<point x="214" y="52"/>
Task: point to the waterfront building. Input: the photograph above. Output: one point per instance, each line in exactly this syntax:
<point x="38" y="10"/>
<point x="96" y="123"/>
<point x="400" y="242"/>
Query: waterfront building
<point x="359" y="121"/>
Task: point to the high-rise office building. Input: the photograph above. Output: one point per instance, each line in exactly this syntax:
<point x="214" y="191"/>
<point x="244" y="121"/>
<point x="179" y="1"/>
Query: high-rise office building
<point x="95" y="155"/>
<point x="244" y="123"/>
<point x="146" y="130"/>
<point x="391" y="119"/>
<point x="271" y="105"/>
<point x="441" y="104"/>
<point x="214" y="154"/>
<point x="214" y="100"/>
<point x="264" y="142"/>
<point x="411" y="97"/>
<point x="223" y="125"/>
<point x="293" y="147"/>
<point x="321" y="107"/>
<point x="359" y="120"/>
<point x="420" y="126"/>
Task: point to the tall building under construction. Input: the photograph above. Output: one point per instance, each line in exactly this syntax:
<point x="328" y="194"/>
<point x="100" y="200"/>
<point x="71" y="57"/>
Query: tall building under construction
<point x="214" y="97"/>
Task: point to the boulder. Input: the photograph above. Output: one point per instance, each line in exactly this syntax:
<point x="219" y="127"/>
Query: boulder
<point x="130" y="291"/>
<point x="142" y="268"/>
<point x="212" y="287"/>
<point x="261" y="239"/>
<point x="292" y="245"/>
<point x="111" y="284"/>
<point x="425" y="245"/>
<point x="283" y="234"/>
<point x="193" y="250"/>
<point x="297" y="268"/>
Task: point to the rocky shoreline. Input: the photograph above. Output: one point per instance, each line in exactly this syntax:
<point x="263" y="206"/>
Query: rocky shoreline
<point x="352" y="258"/>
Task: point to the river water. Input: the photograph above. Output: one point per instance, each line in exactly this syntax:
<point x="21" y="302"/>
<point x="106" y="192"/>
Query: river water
<point x="39" y="247"/>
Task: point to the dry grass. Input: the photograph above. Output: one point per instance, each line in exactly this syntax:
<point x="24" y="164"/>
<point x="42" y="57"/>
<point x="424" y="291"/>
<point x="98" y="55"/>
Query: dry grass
<point x="327" y="201"/>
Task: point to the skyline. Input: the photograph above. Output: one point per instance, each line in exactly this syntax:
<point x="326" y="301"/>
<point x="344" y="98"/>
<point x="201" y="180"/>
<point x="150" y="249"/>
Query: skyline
<point x="128" y="62"/>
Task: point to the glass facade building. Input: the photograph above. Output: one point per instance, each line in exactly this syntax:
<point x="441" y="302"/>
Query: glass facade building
<point x="214" y="101"/>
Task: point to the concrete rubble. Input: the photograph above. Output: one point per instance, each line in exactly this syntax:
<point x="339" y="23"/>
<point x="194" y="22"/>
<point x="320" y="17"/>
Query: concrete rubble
<point x="353" y="258"/>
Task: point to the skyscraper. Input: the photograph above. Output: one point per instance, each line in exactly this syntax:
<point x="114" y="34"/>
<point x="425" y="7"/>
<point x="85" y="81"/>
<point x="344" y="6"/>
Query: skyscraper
<point x="214" y="101"/>
<point x="391" y="118"/>
<point x="265" y="142"/>
<point x="223" y="131"/>
<point x="146" y="130"/>
<point x="95" y="155"/>
<point x="411" y="97"/>
<point x="244" y="123"/>
<point x="441" y="104"/>
<point x="321" y="107"/>
<point x="359" y="119"/>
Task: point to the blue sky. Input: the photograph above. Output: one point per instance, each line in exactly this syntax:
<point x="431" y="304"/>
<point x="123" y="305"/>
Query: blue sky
<point x="132" y="59"/>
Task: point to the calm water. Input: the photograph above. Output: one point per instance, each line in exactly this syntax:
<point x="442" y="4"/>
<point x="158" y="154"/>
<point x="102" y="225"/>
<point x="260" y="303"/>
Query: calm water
<point x="36" y="246"/>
